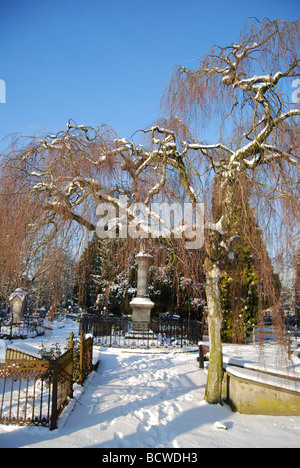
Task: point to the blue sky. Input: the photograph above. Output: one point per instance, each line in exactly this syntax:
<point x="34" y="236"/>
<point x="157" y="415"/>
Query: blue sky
<point x="107" y="61"/>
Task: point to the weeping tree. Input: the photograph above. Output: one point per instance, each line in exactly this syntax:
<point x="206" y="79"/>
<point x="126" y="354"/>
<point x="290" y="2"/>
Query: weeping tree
<point x="76" y="177"/>
<point x="83" y="173"/>
<point x="29" y="251"/>
<point x="244" y="90"/>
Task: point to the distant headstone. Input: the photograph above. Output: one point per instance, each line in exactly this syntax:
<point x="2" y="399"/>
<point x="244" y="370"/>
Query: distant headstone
<point x="18" y="302"/>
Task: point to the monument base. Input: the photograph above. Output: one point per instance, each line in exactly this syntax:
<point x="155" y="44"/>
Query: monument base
<point x="141" y="309"/>
<point x="141" y="313"/>
<point x="140" y="335"/>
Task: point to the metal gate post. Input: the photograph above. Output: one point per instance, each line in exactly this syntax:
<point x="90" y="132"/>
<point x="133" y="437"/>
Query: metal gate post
<point x="54" y="411"/>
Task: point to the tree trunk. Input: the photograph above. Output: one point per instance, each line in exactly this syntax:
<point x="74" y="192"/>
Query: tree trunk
<point x="213" y="392"/>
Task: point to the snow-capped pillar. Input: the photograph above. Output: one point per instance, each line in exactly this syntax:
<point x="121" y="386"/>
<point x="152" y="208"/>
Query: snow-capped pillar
<point x="142" y="305"/>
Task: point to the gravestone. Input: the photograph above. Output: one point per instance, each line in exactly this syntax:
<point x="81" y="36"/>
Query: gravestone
<point x="18" y="303"/>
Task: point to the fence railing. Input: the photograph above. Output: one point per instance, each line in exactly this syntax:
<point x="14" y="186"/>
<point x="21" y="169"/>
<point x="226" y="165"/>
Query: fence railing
<point x="34" y="392"/>
<point x="85" y="358"/>
<point x="25" y="392"/>
<point x="122" y="332"/>
<point x="62" y="385"/>
<point x="264" y="333"/>
<point x="28" y="327"/>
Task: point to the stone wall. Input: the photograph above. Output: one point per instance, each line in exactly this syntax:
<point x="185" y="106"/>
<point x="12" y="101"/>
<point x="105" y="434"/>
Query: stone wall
<point x="254" y="392"/>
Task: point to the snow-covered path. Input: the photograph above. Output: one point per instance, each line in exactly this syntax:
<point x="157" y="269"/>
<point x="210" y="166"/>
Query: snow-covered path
<point x="152" y="401"/>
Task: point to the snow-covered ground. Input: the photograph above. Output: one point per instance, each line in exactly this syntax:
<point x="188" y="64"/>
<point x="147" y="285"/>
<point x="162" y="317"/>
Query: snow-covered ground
<point x="154" y="400"/>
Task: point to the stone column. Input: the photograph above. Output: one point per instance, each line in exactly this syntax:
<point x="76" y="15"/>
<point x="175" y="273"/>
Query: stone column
<point x="142" y="305"/>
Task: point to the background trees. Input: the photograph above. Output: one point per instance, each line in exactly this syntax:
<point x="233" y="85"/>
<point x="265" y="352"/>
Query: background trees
<point x="107" y="273"/>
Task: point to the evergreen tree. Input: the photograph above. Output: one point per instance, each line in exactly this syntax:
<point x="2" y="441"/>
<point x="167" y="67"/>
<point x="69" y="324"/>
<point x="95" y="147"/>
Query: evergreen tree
<point x="89" y="270"/>
<point x="247" y="284"/>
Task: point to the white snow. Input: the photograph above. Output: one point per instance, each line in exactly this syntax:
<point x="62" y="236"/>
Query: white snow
<point x="155" y="400"/>
<point x="264" y="378"/>
<point x="18" y="293"/>
<point x="26" y="348"/>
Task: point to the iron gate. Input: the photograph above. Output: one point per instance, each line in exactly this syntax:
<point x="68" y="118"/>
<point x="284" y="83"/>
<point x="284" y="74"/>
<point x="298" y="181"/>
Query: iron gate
<point x="34" y="391"/>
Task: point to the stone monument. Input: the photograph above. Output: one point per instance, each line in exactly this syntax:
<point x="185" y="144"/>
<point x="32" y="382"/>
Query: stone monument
<point x="141" y="305"/>
<point x="18" y="302"/>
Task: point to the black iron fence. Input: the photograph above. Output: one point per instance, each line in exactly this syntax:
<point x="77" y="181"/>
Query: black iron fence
<point x="123" y="332"/>
<point x="265" y="333"/>
<point x="29" y="327"/>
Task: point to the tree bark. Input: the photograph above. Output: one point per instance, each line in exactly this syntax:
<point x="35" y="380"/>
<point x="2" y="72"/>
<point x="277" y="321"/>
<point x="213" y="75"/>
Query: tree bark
<point x="213" y="392"/>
